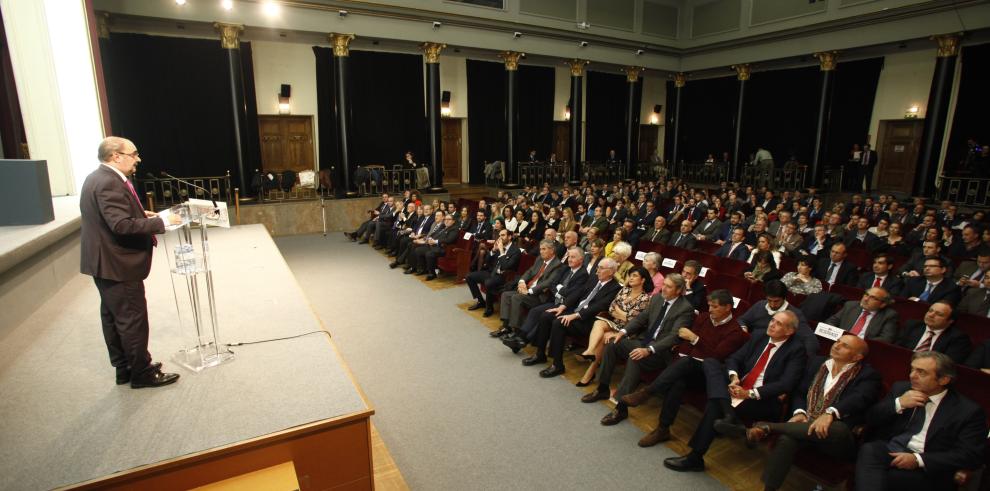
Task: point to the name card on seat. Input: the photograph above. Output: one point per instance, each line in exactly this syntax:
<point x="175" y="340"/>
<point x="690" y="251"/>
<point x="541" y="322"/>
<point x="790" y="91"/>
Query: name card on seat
<point x="735" y="302"/>
<point x="669" y="263"/>
<point x="703" y="272"/>
<point x="468" y="235"/>
<point x="829" y="331"/>
<point x="640" y="255"/>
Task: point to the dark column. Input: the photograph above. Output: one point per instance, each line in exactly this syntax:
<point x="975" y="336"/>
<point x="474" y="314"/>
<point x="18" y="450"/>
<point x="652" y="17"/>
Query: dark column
<point x="229" y="34"/>
<point x="827" y="61"/>
<point x="742" y="74"/>
<point x="511" y="59"/>
<point x="342" y="170"/>
<point x="431" y="54"/>
<point x="679" y="80"/>
<point x="577" y="76"/>
<point x="938" y="110"/>
<point x="632" y="119"/>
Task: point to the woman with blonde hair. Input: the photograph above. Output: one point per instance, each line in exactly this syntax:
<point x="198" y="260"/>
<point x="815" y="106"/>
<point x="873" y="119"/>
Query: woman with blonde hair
<point x="621" y="253"/>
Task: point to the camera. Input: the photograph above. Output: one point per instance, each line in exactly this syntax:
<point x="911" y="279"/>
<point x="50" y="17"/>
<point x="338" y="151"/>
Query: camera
<point x="437" y="24"/>
<point x="517" y="34"/>
<point x="583" y="44"/>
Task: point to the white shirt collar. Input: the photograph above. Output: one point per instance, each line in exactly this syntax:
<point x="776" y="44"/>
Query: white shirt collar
<point x="772" y="312"/>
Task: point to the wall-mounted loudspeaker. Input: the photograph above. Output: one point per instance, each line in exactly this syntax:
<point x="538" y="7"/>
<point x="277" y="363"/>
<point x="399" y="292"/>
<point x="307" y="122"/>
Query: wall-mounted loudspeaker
<point x="286" y="91"/>
<point x="445" y="97"/>
<point x="657" y="108"/>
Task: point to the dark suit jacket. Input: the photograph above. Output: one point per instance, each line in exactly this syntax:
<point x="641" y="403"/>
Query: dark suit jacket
<point x="598" y="303"/>
<point x="756" y="320"/>
<point x="980" y="357"/>
<point x="972" y="302"/>
<point x="846" y="276"/>
<point x="708" y="229"/>
<point x="657" y="236"/>
<point x="680" y="314"/>
<point x="956" y="435"/>
<point x="503" y="263"/>
<point x="782" y="373"/>
<point x="484" y="234"/>
<point x="568" y="283"/>
<point x="696" y="295"/>
<point x="883" y="326"/>
<point x="545" y="285"/>
<point x="953" y="342"/>
<point x="853" y="402"/>
<point x="681" y="240"/>
<point x="892" y="283"/>
<point x="946" y="290"/>
<point x="741" y="253"/>
<point x="116" y="238"/>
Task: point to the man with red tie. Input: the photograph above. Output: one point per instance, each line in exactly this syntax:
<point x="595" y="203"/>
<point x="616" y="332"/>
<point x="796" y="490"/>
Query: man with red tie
<point x="117" y="239"/>
<point x="749" y="384"/>
<point x="869" y="318"/>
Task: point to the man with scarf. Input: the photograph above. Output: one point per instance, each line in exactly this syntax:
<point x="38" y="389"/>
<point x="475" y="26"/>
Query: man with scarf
<point x="832" y="399"/>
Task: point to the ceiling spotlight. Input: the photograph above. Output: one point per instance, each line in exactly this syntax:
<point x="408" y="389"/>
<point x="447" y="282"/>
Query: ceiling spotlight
<point x="639" y="52"/>
<point x="270" y="7"/>
<point x="180" y="2"/>
<point x="517" y="34"/>
<point x="227" y="4"/>
<point x="583" y="44"/>
<point x="437" y="24"/>
<point x="342" y="13"/>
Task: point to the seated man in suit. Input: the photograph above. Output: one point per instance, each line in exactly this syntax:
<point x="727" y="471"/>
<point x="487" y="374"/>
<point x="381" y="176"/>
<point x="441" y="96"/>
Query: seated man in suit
<point x="709" y="227"/>
<point x="760" y="315"/>
<point x="683" y="238"/>
<point x="869" y="318"/>
<point x="725" y="231"/>
<point x="970" y="273"/>
<point x="694" y="286"/>
<point x="748" y="385"/>
<point x="368" y="226"/>
<point x="714" y="334"/>
<point x="862" y="235"/>
<point x="835" y="268"/>
<point x="831" y="400"/>
<point x="570" y="280"/>
<point x="980" y="357"/>
<point x="574" y="317"/>
<point x="533" y="288"/>
<point x="915" y="265"/>
<point x="922" y="432"/>
<point x="735" y="248"/>
<point x="882" y="276"/>
<point x="933" y="286"/>
<point x="503" y="257"/>
<point x="935" y="333"/>
<point x="428" y="223"/>
<point x="481" y="229"/>
<point x="424" y="257"/>
<point x="976" y="301"/>
<point x="645" y="343"/>
<point x="658" y="234"/>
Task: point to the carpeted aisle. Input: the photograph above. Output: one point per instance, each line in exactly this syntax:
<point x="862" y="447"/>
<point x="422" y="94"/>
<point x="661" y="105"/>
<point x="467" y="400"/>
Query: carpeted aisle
<point x="455" y="407"/>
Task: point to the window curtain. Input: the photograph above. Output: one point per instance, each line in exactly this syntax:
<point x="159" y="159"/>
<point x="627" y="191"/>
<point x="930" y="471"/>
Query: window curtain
<point x="486" y="116"/>
<point x="605" y="121"/>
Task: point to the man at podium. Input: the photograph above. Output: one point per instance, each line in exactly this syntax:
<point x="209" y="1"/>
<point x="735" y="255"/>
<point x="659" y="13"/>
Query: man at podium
<point x="117" y="240"/>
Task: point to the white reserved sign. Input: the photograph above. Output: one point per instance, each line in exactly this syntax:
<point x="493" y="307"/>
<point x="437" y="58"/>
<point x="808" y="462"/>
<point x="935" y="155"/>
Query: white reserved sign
<point x="735" y="302"/>
<point x="640" y="255"/>
<point x="829" y="331"/>
<point x="468" y="235"/>
<point x="669" y="263"/>
<point x="703" y="272"/>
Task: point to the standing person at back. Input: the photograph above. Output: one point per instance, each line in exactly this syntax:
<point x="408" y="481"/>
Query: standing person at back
<point x="117" y="240"/>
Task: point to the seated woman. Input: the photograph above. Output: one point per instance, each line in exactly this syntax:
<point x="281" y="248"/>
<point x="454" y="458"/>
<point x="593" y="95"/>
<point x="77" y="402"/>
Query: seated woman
<point x="652" y="262"/>
<point x="518" y="223"/>
<point x="594" y="256"/>
<point x="621" y="253"/>
<point x="762" y="268"/>
<point x="803" y="281"/>
<point x="618" y="236"/>
<point x="631" y="300"/>
<point x="553" y="219"/>
<point x="766" y="242"/>
<point x="534" y="233"/>
<point x="894" y="242"/>
<point x="882" y="228"/>
<point x="568" y="223"/>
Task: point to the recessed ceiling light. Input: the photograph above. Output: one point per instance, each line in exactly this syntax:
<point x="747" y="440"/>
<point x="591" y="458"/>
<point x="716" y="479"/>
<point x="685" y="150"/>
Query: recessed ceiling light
<point x="180" y="2"/>
<point x="227" y="4"/>
<point x="270" y="8"/>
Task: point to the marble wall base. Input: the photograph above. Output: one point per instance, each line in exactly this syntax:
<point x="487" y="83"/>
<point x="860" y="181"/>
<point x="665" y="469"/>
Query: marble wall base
<point x="306" y="217"/>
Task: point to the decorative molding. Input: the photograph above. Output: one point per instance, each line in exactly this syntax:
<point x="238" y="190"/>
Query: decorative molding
<point x="680" y="79"/>
<point x="948" y="44"/>
<point x="632" y="73"/>
<point x="577" y="66"/>
<point x="827" y="60"/>
<point x="103" y="24"/>
<point x="229" y="34"/>
<point x="742" y="71"/>
<point x="431" y="51"/>
<point x="511" y="59"/>
<point x="341" y="43"/>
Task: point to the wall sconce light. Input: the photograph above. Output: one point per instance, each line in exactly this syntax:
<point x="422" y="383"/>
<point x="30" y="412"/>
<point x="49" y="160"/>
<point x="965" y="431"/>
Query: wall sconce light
<point x="567" y="113"/>
<point x="445" y="104"/>
<point x="655" y="117"/>
<point x="911" y="113"/>
<point x="283" y="99"/>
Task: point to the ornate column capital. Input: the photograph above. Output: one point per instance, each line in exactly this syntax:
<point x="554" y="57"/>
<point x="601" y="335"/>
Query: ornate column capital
<point x="431" y="51"/>
<point x="948" y="44"/>
<point x="577" y="67"/>
<point x="511" y="59"/>
<point x="632" y="73"/>
<point x="103" y="24"/>
<point x="229" y="34"/>
<point x="742" y="71"/>
<point x="827" y="60"/>
<point x="680" y="79"/>
<point x="341" y="43"/>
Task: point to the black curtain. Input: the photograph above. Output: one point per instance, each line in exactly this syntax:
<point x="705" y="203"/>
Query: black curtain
<point x="387" y="108"/>
<point x="780" y="113"/>
<point x="853" y="90"/>
<point x="708" y="118"/>
<point x="970" y="119"/>
<point x="605" y="118"/>
<point x="171" y="96"/>
<point x="325" y="121"/>
<point x="535" y="111"/>
<point x="486" y="116"/>
<point x="669" y="111"/>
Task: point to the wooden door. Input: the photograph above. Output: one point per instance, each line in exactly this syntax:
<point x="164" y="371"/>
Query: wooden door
<point x="286" y="142"/>
<point x="898" y="146"/>
<point x="451" y="141"/>
<point x="647" y="141"/>
<point x="562" y="140"/>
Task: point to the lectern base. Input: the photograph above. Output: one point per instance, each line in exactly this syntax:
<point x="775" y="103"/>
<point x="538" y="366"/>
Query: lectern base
<point x="202" y="357"/>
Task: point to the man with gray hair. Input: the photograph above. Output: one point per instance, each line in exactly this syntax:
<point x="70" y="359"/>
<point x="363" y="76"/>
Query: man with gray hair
<point x="116" y="243"/>
<point x="924" y="431"/>
<point x="532" y="288"/>
<point x="646" y="343"/>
